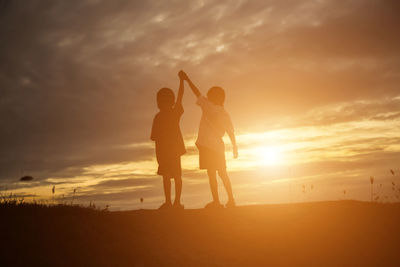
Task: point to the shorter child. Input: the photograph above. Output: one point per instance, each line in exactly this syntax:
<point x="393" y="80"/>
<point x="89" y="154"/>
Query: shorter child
<point x="214" y="123"/>
<point x="169" y="143"/>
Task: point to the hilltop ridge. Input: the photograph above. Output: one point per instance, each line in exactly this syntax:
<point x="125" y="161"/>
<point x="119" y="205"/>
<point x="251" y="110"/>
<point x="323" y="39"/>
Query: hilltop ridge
<point x="337" y="233"/>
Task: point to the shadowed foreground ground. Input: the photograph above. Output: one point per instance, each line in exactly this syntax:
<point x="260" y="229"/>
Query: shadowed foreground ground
<point x="312" y="234"/>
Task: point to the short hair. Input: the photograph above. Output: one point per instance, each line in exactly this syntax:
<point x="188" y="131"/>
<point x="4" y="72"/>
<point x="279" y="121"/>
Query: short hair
<point x="216" y="95"/>
<point x="165" y="98"/>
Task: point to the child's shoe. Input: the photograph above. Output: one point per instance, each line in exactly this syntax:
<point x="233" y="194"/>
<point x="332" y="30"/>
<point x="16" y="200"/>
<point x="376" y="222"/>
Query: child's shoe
<point x="230" y="204"/>
<point x="165" y="206"/>
<point x="214" y="205"/>
<point x="178" y="206"/>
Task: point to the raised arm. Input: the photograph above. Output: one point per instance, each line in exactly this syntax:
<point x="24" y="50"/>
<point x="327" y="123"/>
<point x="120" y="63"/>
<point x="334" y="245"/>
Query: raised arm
<point x="184" y="76"/>
<point x="180" y="92"/>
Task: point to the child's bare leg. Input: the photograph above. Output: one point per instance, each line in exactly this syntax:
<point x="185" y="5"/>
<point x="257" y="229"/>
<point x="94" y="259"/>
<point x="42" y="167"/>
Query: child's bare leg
<point x="227" y="183"/>
<point x="167" y="189"/>
<point x="213" y="184"/>
<point x="178" y="190"/>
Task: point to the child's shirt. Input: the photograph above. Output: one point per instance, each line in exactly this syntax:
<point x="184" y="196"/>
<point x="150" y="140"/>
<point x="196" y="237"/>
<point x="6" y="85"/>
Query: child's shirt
<point x="215" y="121"/>
<point x="167" y="133"/>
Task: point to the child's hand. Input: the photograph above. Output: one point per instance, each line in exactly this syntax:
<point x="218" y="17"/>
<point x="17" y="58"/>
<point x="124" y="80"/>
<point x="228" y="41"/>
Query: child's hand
<point x="235" y="152"/>
<point x="182" y="75"/>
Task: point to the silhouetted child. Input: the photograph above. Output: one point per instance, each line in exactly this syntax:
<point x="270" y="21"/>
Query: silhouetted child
<point x="169" y="142"/>
<point x="215" y="121"/>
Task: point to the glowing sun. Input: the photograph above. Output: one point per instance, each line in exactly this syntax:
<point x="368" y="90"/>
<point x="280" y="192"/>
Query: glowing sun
<point x="269" y="155"/>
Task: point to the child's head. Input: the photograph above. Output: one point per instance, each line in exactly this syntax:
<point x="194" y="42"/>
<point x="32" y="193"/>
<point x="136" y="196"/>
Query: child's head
<point x="165" y="98"/>
<point x="216" y="95"/>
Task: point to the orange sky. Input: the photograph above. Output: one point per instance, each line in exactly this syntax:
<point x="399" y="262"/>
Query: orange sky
<point x="312" y="88"/>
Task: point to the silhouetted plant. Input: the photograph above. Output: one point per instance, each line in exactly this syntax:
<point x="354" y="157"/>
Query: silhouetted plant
<point x="26" y="178"/>
<point x="92" y="205"/>
<point x="73" y="196"/>
<point x="395" y="187"/>
<point x="377" y="193"/>
<point x="304" y="192"/>
<point x="14" y="202"/>
<point x="53" y="191"/>
<point x="371" y="179"/>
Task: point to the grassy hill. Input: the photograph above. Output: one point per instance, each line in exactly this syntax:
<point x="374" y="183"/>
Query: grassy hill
<point x="343" y="233"/>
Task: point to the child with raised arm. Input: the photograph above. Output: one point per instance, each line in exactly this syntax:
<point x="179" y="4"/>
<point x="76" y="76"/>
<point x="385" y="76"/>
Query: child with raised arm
<point x="215" y="121"/>
<point x="169" y="143"/>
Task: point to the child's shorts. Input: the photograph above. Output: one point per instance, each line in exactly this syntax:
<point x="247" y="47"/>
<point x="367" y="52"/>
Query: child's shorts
<point x="169" y="166"/>
<point x="210" y="159"/>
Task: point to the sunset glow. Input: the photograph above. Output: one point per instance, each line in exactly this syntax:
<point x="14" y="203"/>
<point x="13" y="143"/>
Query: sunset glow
<point x="269" y="155"/>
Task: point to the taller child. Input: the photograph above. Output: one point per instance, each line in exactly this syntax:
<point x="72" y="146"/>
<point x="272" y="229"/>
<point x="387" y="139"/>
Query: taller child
<point x="215" y="121"/>
<point x="169" y="142"/>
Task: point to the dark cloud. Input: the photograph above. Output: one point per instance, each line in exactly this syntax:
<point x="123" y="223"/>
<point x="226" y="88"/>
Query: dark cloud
<point x="372" y="110"/>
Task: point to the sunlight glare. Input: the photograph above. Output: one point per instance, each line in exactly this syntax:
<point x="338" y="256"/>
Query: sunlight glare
<point x="269" y="155"/>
